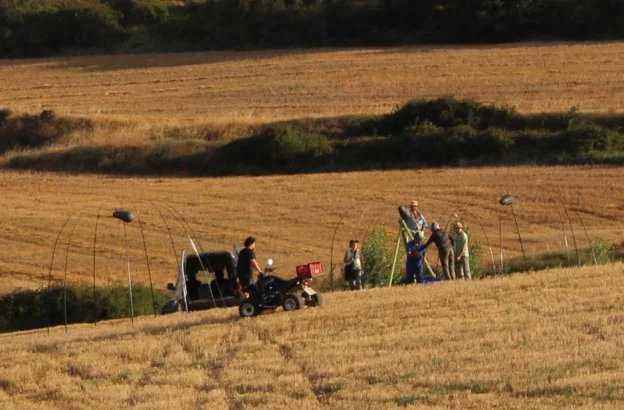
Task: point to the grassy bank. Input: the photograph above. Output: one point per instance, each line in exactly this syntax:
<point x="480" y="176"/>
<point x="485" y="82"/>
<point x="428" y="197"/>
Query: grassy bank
<point x="421" y="133"/>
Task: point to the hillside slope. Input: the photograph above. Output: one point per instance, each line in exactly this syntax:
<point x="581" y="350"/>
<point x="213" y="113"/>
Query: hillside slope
<point x="550" y="339"/>
<point x="293" y="217"/>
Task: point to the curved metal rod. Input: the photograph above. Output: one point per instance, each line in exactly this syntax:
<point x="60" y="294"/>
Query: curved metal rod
<point x="175" y="253"/>
<point x="331" y="257"/>
<point x="71" y="234"/>
<point x="129" y="276"/>
<point x="589" y="242"/>
<point x="565" y="236"/>
<point x="95" y="313"/>
<point x="194" y="239"/>
<point x="331" y="253"/>
<point x="149" y="271"/>
<point x="519" y="236"/>
<point x="52" y="261"/>
<point x="578" y="257"/>
<point x="486" y="238"/>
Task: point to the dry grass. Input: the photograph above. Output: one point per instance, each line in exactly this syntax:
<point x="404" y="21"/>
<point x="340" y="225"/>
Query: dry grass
<point x="252" y="87"/>
<point x="293" y="217"/>
<point x="547" y="340"/>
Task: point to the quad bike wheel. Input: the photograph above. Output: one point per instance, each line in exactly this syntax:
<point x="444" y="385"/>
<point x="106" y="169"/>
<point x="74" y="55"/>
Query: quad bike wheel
<point x="248" y="309"/>
<point x="293" y="302"/>
<point x="315" y="300"/>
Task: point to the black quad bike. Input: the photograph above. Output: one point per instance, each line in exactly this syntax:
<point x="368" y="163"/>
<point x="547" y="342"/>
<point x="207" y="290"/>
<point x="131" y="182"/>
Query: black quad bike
<point x="271" y="292"/>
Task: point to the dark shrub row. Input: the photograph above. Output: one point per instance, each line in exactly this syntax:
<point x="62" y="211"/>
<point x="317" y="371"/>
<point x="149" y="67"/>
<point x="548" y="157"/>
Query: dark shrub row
<point x="33" y="131"/>
<point x="31" y="309"/>
<point x="440" y="132"/>
<point x="40" y="27"/>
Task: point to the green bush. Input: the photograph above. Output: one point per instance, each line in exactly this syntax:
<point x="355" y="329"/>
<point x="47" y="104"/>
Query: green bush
<point x="600" y="252"/>
<point x="44" y="27"/>
<point x="444" y="112"/>
<point x="140" y="12"/>
<point x="31" y="309"/>
<point x="377" y="254"/>
<point x="279" y="147"/>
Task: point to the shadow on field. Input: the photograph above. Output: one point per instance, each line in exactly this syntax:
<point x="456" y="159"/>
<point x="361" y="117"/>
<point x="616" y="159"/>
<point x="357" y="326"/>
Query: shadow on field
<point x="145" y="328"/>
<point x="443" y="132"/>
<point x="116" y="62"/>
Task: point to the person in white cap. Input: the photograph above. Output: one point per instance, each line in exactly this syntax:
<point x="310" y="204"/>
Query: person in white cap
<point x="462" y="263"/>
<point x="417" y="220"/>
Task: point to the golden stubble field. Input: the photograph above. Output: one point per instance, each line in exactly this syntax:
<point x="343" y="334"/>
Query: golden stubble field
<point x="293" y="217"/>
<point x="551" y="339"/>
<point x="262" y="86"/>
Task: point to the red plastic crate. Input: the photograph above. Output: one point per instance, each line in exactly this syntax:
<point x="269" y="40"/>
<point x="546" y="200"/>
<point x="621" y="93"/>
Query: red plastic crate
<point x="309" y="270"/>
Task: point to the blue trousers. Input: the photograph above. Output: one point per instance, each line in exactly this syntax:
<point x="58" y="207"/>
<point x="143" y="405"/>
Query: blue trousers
<point x="413" y="271"/>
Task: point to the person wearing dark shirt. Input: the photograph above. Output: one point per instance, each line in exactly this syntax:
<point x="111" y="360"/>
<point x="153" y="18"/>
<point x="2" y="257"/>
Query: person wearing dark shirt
<point x="444" y="243"/>
<point x="247" y="263"/>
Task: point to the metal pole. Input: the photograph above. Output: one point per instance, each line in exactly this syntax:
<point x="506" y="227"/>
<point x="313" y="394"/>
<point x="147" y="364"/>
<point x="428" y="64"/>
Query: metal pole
<point x="204" y="270"/>
<point x="565" y="236"/>
<point x="500" y="239"/>
<point x="587" y="236"/>
<point x="175" y="253"/>
<point x="331" y="258"/>
<point x="396" y="255"/>
<point x="519" y="237"/>
<point x="193" y="239"/>
<point x="149" y="271"/>
<point x="129" y="276"/>
<point x="486" y="238"/>
<point x="578" y="257"/>
<point x="71" y="233"/>
<point x="52" y="262"/>
<point x="95" y="313"/>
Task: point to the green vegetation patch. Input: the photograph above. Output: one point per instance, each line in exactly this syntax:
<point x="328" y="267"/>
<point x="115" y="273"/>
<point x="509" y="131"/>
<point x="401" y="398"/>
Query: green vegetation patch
<point x="31" y="309"/>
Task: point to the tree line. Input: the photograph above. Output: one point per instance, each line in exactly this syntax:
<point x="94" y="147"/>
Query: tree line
<point x="47" y="27"/>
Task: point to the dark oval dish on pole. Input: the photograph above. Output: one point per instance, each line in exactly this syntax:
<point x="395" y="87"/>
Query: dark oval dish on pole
<point x="506" y="200"/>
<point x="126" y="216"/>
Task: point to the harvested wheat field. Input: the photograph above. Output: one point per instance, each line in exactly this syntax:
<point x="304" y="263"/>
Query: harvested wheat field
<point x="293" y="217"/>
<point x="552" y="339"/>
<point x="264" y="86"/>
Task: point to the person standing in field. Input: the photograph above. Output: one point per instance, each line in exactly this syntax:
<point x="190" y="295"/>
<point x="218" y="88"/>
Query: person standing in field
<point x="444" y="243"/>
<point x="247" y="263"/>
<point x="416" y="251"/>
<point x="462" y="261"/>
<point x="353" y="266"/>
<point x="417" y="221"/>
